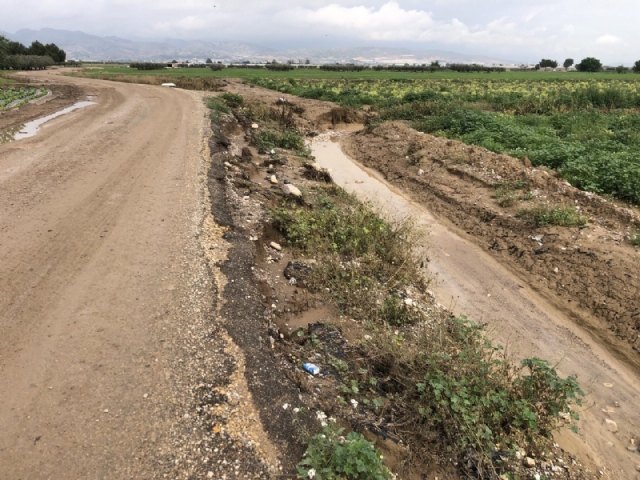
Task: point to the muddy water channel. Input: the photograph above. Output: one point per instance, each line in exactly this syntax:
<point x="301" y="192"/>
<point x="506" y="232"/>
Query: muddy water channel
<point x="469" y="281"/>
<point x="31" y="128"/>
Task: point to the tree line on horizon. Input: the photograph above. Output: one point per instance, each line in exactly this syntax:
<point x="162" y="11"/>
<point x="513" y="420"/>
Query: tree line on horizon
<point x="38" y="56"/>
<point x="588" y="64"/>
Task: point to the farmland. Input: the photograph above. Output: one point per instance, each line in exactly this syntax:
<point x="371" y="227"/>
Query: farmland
<point x="14" y="96"/>
<point x="585" y="126"/>
<point x="110" y="71"/>
<point x="577" y="249"/>
<point x="587" y="129"/>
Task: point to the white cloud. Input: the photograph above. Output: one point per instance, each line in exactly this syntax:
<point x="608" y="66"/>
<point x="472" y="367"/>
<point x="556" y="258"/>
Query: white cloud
<point x="522" y="30"/>
<point x="608" y="40"/>
<point x="188" y="23"/>
<point x="389" y="21"/>
<point x="392" y="22"/>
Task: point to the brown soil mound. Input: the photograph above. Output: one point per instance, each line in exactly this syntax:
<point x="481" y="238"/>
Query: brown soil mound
<point x="591" y="271"/>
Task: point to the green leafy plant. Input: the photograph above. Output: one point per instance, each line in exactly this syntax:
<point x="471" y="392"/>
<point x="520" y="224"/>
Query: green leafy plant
<point x="560" y="216"/>
<point x="506" y="193"/>
<point x="232" y="100"/>
<point x="635" y="239"/>
<point x="461" y="388"/>
<point x="287" y="139"/>
<point x="331" y="455"/>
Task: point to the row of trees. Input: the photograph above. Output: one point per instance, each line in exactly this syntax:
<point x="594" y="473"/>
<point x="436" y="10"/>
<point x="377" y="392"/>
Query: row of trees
<point x="15" y="56"/>
<point x="588" y="64"/>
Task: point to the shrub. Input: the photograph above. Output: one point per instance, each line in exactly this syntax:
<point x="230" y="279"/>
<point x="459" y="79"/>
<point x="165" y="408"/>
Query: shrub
<point x="454" y="385"/>
<point x="148" y="66"/>
<point x="635" y="239"/>
<point x="287" y="139"/>
<point x="332" y="456"/>
<point x="233" y="100"/>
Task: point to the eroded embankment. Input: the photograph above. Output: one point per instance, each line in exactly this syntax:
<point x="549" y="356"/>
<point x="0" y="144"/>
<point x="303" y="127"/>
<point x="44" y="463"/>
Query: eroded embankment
<point x="590" y="270"/>
<point x="314" y="276"/>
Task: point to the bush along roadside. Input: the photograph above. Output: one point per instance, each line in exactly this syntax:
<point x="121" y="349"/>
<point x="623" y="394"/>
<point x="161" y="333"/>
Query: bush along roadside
<point x="391" y="370"/>
<point x="419" y="375"/>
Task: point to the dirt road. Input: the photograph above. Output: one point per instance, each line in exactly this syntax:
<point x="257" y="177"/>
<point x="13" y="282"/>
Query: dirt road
<point x="469" y="281"/>
<point x="103" y="283"/>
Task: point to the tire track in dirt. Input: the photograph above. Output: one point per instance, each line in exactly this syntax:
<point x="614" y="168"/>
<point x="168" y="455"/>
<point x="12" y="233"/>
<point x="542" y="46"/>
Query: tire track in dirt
<point x="107" y="345"/>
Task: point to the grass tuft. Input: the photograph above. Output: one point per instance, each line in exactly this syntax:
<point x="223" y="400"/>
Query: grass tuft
<point x="289" y="139"/>
<point x="542" y="216"/>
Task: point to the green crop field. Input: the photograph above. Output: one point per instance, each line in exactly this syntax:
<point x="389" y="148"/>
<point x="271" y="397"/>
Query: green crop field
<point x="105" y="71"/>
<point x="15" y="96"/>
<point x="586" y="127"/>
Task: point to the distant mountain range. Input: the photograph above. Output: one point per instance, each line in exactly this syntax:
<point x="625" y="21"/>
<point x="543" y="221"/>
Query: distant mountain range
<point x="83" y="46"/>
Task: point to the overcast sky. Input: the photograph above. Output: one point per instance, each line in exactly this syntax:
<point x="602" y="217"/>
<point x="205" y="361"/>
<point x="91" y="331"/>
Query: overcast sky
<point x="518" y="30"/>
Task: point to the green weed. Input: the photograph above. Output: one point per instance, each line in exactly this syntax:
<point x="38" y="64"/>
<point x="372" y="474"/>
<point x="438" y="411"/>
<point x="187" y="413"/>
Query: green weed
<point x="453" y="384"/>
<point x="508" y="194"/>
<point x="557" y="216"/>
<point x="334" y="455"/>
<point x="439" y="377"/>
<point x="233" y="100"/>
<point x="288" y="139"/>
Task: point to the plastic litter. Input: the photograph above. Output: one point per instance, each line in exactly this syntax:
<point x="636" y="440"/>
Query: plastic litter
<point x="311" y="368"/>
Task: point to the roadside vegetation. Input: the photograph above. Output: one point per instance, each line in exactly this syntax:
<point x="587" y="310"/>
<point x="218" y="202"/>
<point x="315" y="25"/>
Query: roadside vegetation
<point x="543" y="216"/>
<point x="585" y="129"/>
<point x="436" y="375"/>
<point x="414" y="374"/>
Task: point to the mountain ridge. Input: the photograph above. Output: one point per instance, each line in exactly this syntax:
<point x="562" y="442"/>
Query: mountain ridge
<point x="87" y="47"/>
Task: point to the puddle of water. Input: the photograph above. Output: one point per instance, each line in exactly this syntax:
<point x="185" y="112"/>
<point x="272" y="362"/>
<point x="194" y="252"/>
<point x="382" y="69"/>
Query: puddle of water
<point x="301" y="321"/>
<point x="31" y="128"/>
